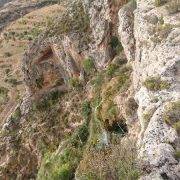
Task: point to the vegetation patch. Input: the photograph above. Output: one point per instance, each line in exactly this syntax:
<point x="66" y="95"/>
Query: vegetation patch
<point x="173" y="6"/>
<point x="106" y="86"/>
<point x="105" y="116"/>
<point x="119" y="162"/>
<point x="47" y="101"/>
<point x="62" y="165"/>
<point x="111" y="70"/>
<point x="14" y="82"/>
<point x="131" y="107"/>
<point x="40" y="82"/>
<point x="3" y="95"/>
<point x="16" y="115"/>
<point x="160" y="2"/>
<point x="86" y="109"/>
<point x="88" y="66"/>
<point x="74" y="19"/>
<point x="156" y="84"/>
<point x="116" y="45"/>
<point x="7" y="54"/>
<point x="161" y="31"/>
<point x="147" y="117"/>
<point x="172" y="115"/>
<point x="177" y="154"/>
<point x="75" y="83"/>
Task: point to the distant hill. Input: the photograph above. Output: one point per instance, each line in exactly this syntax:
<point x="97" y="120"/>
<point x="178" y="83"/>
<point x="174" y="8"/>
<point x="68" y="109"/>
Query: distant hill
<point x="19" y="8"/>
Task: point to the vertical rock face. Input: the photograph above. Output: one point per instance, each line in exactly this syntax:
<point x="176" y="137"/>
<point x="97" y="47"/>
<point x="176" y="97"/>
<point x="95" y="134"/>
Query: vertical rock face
<point x="157" y="46"/>
<point x="99" y="14"/>
<point x="51" y="60"/>
<point x="126" y="25"/>
<point x="102" y="16"/>
<point x="150" y="35"/>
<point x="65" y="54"/>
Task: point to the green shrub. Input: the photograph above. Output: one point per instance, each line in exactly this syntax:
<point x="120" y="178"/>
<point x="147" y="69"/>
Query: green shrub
<point x="161" y="20"/>
<point x="177" y="154"/>
<point x="119" y="61"/>
<point x="3" y="90"/>
<point x="128" y="171"/>
<point x="75" y="83"/>
<point x="116" y="45"/>
<point x="62" y="165"/>
<point x="156" y="84"/>
<point x="172" y="115"/>
<point x="147" y="117"/>
<point x="13" y="81"/>
<point x="86" y="109"/>
<point x="63" y="173"/>
<point x="17" y="113"/>
<point x="47" y="101"/>
<point x="88" y="66"/>
<point x="160" y="2"/>
<point x="7" y="54"/>
<point x="176" y="126"/>
<point x="111" y="70"/>
<point x="3" y="95"/>
<point x="113" y="110"/>
<point x="7" y="71"/>
<point x="173" y="6"/>
<point x="98" y="80"/>
<point x="39" y="82"/>
<point x="124" y="82"/>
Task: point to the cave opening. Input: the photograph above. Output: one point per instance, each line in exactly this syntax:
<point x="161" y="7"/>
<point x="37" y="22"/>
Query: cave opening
<point x="117" y="127"/>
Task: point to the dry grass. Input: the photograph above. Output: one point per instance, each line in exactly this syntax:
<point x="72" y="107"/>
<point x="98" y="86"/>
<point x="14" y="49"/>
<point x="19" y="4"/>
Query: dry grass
<point x="116" y="161"/>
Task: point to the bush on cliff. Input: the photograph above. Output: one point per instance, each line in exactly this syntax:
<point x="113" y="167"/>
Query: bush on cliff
<point x="156" y="84"/>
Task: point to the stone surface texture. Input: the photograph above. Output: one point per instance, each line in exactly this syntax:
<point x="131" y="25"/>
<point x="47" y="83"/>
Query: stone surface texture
<point x="156" y="35"/>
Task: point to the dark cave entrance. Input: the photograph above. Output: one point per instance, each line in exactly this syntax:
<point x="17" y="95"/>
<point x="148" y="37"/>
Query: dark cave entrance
<point x="117" y="127"/>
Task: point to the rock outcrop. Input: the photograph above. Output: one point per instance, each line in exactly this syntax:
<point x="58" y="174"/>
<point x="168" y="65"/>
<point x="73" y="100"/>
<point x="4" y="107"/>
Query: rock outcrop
<point x="151" y="39"/>
<point x="103" y="22"/>
<point x="68" y="51"/>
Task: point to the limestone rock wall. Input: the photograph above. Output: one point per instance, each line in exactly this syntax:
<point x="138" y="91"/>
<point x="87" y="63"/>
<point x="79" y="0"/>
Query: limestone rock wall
<point x="103" y="22"/>
<point x="150" y="35"/>
<point x="156" y="34"/>
<point x="56" y="58"/>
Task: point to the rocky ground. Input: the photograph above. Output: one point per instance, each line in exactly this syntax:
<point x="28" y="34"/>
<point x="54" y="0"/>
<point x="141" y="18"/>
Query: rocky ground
<point x="99" y="92"/>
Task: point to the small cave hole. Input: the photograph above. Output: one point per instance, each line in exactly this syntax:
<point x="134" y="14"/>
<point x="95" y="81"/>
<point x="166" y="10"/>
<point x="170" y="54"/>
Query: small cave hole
<point x="116" y="45"/>
<point x="117" y="127"/>
<point x="164" y="176"/>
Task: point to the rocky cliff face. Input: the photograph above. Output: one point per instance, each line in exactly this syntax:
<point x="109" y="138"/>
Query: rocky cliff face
<point x="150" y="35"/>
<point x="105" y="85"/>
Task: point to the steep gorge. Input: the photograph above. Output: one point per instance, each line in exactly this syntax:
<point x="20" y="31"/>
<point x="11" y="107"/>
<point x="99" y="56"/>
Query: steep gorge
<point x="102" y="95"/>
